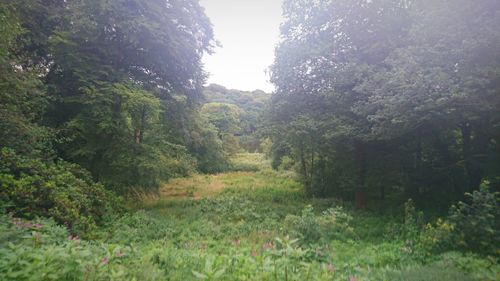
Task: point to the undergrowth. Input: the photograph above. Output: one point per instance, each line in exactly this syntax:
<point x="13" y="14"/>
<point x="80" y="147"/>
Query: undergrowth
<point x="259" y="226"/>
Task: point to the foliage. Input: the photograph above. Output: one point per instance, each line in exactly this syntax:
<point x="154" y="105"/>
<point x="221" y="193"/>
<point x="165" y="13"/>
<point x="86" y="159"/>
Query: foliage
<point x="251" y="106"/>
<point x="413" y="221"/>
<point x="472" y="226"/>
<point x="333" y="223"/>
<point x="226" y="118"/>
<point x="63" y="191"/>
<point x="478" y="222"/>
<point x="387" y="98"/>
<point x="108" y="89"/>
<point x="45" y="251"/>
<point x="22" y="99"/>
<point x="239" y="233"/>
<point x="205" y="144"/>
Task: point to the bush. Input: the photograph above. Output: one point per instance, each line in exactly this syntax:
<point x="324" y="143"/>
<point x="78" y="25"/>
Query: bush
<point x="477" y="224"/>
<point x="243" y="167"/>
<point x="473" y="226"/>
<point x="42" y="250"/>
<point x="30" y="187"/>
<point x="413" y="221"/>
<point x="287" y="163"/>
<point x="331" y="224"/>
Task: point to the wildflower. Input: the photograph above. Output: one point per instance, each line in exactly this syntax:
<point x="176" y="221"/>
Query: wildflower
<point x="120" y="254"/>
<point x="38" y="226"/>
<point x="267" y="245"/>
<point x="105" y="261"/>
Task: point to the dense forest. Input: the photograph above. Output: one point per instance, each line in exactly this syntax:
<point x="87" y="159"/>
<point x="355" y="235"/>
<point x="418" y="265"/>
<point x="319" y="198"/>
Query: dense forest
<point x="389" y="95"/>
<point x="377" y="157"/>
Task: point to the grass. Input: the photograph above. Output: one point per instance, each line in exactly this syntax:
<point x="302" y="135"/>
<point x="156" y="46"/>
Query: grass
<point x="238" y="225"/>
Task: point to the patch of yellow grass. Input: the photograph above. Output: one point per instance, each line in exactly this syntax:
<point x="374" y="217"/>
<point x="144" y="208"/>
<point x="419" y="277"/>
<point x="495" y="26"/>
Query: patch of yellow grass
<point x="201" y="186"/>
<point x="196" y="186"/>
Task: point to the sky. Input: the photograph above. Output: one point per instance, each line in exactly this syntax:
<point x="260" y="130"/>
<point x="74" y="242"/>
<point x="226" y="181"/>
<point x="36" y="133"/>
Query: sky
<point x="248" y="31"/>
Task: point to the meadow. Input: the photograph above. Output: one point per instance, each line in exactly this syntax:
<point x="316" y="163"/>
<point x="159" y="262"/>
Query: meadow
<point x="254" y="223"/>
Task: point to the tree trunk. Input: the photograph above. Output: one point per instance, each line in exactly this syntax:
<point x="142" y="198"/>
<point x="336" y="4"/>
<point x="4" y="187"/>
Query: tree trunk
<point x="137" y="135"/>
<point x="139" y="132"/>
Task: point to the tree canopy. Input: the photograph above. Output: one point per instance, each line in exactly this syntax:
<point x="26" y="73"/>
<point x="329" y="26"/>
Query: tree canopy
<point x="388" y="94"/>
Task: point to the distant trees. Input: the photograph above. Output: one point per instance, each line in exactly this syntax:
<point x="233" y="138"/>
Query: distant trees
<point x="226" y="119"/>
<point x="374" y="96"/>
<point x="246" y="118"/>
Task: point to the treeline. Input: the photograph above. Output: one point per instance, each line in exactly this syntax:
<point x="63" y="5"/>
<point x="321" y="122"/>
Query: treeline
<point x="98" y="96"/>
<point x="388" y="97"/>
<point x="237" y="115"/>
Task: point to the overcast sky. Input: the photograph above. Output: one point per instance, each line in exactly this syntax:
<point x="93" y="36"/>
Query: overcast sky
<point x="248" y="31"/>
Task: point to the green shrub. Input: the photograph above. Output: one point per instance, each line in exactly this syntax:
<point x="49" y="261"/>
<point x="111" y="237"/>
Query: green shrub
<point x="331" y="224"/>
<point x="243" y="167"/>
<point x="42" y="250"/>
<point x="287" y="163"/>
<point x="477" y="224"/>
<point x="30" y="187"/>
<point x="473" y="226"/>
<point x="413" y="222"/>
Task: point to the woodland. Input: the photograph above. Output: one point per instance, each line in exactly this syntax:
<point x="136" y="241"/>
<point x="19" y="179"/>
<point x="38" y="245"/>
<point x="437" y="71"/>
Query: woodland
<point x="376" y="157"/>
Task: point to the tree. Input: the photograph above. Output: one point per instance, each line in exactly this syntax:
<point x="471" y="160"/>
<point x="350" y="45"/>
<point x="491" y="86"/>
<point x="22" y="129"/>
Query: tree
<point x="388" y="82"/>
<point x="327" y="49"/>
<point x="22" y="99"/>
<point x="117" y="72"/>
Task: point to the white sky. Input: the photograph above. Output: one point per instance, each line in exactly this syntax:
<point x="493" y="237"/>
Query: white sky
<point x="248" y="31"/>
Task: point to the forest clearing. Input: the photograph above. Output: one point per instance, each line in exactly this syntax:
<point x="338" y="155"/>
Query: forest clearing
<point x="242" y="225"/>
<point x="349" y="140"/>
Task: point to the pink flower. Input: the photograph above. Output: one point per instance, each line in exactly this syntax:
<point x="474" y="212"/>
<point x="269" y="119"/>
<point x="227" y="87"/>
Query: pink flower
<point x="105" y="261"/>
<point x="267" y="245"/>
<point x="38" y="225"/>
<point x="120" y="254"/>
<point x="352" y="278"/>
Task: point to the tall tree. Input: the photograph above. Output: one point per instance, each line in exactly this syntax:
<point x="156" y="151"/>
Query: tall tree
<point x="117" y="70"/>
<point x="389" y="80"/>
